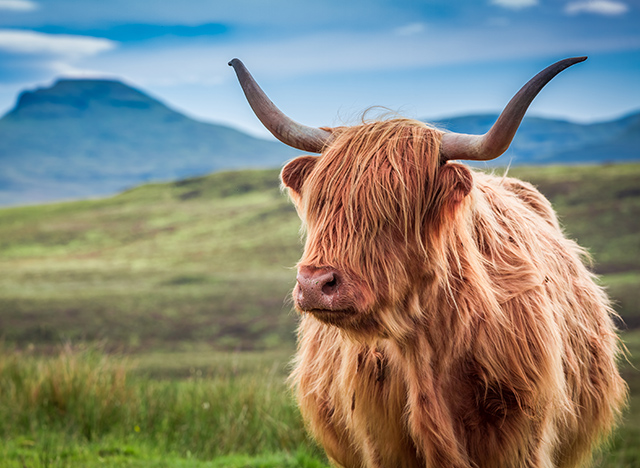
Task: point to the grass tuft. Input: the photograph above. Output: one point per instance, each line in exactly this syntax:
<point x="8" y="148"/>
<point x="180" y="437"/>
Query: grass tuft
<point x="57" y="406"/>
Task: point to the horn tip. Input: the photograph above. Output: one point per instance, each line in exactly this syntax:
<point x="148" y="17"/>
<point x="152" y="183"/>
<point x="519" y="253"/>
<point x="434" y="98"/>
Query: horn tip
<point x="573" y="60"/>
<point x="232" y="62"/>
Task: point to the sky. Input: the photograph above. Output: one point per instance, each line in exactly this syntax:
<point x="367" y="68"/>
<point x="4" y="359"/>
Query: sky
<point x="324" y="62"/>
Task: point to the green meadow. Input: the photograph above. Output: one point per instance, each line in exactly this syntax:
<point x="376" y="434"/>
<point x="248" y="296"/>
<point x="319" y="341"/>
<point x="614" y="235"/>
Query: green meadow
<point x="153" y="329"/>
<point x="80" y="406"/>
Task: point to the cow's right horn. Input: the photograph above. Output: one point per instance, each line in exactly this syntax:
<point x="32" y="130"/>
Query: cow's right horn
<point x="496" y="141"/>
<point x="282" y="127"/>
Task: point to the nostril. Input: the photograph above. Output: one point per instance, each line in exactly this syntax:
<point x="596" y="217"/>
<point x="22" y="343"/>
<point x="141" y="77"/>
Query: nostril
<point x="330" y="287"/>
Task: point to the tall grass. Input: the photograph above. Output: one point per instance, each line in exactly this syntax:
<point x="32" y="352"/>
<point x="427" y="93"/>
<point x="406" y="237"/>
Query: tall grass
<point x="79" y="390"/>
<point x="81" y="406"/>
<point x="82" y="395"/>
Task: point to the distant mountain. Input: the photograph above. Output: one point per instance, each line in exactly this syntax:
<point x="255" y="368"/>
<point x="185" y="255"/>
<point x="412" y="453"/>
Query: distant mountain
<point x="549" y="141"/>
<point x="82" y="138"/>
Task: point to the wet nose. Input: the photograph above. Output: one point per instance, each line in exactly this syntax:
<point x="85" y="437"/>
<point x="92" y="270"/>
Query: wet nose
<point x="318" y="288"/>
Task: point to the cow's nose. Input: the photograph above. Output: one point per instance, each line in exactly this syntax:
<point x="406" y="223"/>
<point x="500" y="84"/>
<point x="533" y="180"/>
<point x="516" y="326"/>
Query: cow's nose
<point x="318" y="288"/>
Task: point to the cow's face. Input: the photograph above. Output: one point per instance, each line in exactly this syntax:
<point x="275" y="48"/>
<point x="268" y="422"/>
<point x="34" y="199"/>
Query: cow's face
<point x="370" y="204"/>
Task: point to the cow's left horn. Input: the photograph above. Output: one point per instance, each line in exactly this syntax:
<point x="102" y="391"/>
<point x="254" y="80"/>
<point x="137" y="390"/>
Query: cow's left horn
<point x="496" y="141"/>
<point x="283" y="128"/>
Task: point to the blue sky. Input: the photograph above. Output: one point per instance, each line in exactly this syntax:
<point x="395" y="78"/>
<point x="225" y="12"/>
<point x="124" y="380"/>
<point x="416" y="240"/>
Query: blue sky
<point x="324" y="62"/>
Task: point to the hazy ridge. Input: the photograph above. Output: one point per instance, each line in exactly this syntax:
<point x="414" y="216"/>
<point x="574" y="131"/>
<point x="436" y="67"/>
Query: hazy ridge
<point x="87" y="138"/>
<point x="82" y="138"/>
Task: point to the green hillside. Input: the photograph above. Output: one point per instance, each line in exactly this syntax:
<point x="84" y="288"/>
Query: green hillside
<point x="209" y="260"/>
<point x="201" y="259"/>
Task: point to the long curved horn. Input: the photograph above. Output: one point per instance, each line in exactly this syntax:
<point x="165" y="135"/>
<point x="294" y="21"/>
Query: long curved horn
<point x="283" y="128"/>
<point x="496" y="141"/>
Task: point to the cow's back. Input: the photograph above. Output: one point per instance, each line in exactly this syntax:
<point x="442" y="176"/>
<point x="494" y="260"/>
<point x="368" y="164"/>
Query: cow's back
<point x="590" y="392"/>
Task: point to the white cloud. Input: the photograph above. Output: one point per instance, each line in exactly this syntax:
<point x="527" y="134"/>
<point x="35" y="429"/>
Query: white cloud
<point x="18" y="5"/>
<point x="599" y="7"/>
<point x="62" y="68"/>
<point x="410" y="29"/>
<point x="34" y="43"/>
<point x="515" y="4"/>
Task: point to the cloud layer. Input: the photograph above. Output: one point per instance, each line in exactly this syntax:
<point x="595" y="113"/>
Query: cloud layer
<point x="598" y="7"/>
<point x="35" y="43"/>
<point x="18" y="5"/>
<point x="180" y="49"/>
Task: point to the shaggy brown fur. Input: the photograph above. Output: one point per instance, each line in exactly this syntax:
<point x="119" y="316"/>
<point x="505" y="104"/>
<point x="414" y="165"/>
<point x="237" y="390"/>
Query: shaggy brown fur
<point x="472" y="335"/>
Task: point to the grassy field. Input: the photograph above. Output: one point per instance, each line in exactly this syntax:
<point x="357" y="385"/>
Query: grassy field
<point x="203" y="260"/>
<point x="185" y="287"/>
<point x="82" y="407"/>
<point x="209" y="260"/>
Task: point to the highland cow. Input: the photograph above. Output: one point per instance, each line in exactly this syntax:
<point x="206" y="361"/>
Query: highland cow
<point x="446" y="319"/>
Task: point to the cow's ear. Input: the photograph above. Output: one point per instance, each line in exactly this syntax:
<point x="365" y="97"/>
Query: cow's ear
<point x="455" y="182"/>
<point x="296" y="171"/>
